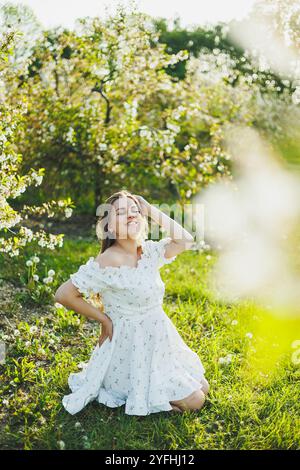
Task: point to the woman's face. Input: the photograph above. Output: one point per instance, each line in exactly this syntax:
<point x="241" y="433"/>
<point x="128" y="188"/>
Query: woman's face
<point x="125" y="218"/>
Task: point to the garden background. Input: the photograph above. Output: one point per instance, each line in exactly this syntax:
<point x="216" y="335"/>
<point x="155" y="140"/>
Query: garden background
<point x="132" y="102"/>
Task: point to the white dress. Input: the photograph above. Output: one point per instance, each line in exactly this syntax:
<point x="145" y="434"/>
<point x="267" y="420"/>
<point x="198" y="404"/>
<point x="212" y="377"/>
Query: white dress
<point x="147" y="364"/>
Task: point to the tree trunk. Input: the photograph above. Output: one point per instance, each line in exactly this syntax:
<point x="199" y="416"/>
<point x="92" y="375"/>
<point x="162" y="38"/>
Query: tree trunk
<point x="98" y="185"/>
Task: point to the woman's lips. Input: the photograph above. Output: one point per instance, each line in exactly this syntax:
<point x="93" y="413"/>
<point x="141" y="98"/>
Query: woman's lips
<point x="133" y="223"/>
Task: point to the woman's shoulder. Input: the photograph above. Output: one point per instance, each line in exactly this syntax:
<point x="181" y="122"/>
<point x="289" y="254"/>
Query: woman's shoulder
<point x="89" y="278"/>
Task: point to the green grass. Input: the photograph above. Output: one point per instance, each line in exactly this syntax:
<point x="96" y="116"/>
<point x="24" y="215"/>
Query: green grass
<point x="253" y="401"/>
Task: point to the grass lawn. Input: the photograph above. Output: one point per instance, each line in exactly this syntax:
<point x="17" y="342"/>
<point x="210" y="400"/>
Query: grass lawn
<point x="253" y="401"/>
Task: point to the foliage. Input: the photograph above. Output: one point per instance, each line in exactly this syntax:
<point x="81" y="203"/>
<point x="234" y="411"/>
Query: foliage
<point x="104" y="113"/>
<point x="253" y="398"/>
<point x="13" y="182"/>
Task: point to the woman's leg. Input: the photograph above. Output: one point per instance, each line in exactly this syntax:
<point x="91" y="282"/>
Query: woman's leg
<point x="175" y="408"/>
<point x="194" y="401"/>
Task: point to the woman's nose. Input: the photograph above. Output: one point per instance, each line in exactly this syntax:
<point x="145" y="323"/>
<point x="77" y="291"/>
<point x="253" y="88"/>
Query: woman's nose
<point x="131" y="216"/>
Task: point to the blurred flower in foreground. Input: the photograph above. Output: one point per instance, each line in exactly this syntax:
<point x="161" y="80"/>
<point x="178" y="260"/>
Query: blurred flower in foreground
<point x="255" y="218"/>
<point x="271" y="34"/>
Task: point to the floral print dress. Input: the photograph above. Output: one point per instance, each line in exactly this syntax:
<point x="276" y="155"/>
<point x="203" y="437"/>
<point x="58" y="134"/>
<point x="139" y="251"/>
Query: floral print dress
<point x="146" y="364"/>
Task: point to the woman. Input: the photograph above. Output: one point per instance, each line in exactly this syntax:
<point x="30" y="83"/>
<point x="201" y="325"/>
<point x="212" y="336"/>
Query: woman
<point x="140" y="360"/>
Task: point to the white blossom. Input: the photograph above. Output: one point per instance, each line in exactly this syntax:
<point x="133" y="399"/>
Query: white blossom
<point x="296" y="95"/>
<point x="70" y="135"/>
<point x="61" y="445"/>
<point x="225" y="360"/>
<point x="173" y="127"/>
<point x="68" y="212"/>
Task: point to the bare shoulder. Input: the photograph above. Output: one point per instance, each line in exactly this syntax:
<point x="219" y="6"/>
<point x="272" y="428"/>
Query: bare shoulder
<point x="110" y="257"/>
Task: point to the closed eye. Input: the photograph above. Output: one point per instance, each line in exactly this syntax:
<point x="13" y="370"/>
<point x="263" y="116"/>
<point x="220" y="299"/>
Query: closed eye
<point x="124" y="212"/>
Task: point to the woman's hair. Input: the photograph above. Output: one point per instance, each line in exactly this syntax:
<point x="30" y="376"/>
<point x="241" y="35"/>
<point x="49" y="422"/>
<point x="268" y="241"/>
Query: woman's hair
<point x="102" y="231"/>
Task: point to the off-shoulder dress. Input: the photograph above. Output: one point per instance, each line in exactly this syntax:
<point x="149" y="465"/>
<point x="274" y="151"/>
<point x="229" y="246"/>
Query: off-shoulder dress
<point x="147" y="364"/>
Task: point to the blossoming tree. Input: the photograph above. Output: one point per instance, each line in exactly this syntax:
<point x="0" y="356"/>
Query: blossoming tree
<point x="103" y="112"/>
<point x="13" y="182"/>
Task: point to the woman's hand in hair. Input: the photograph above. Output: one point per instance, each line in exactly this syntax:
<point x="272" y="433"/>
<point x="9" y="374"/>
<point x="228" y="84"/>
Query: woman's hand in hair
<point x="144" y="205"/>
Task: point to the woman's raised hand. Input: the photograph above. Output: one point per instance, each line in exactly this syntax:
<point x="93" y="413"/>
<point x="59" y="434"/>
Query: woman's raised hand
<point x="144" y="205"/>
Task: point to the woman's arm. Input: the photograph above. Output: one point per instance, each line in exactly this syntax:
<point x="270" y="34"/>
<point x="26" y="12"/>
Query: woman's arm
<point x="69" y="296"/>
<point x="181" y="239"/>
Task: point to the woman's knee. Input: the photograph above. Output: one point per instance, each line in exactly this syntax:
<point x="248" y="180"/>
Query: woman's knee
<point x="195" y="401"/>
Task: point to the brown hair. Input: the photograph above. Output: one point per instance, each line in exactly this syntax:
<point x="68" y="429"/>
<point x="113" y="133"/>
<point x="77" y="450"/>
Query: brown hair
<point x="102" y="233"/>
<point x="102" y="227"/>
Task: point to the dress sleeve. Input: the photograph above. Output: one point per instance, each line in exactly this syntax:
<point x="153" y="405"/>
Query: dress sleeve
<point x="158" y="251"/>
<point x="88" y="279"/>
